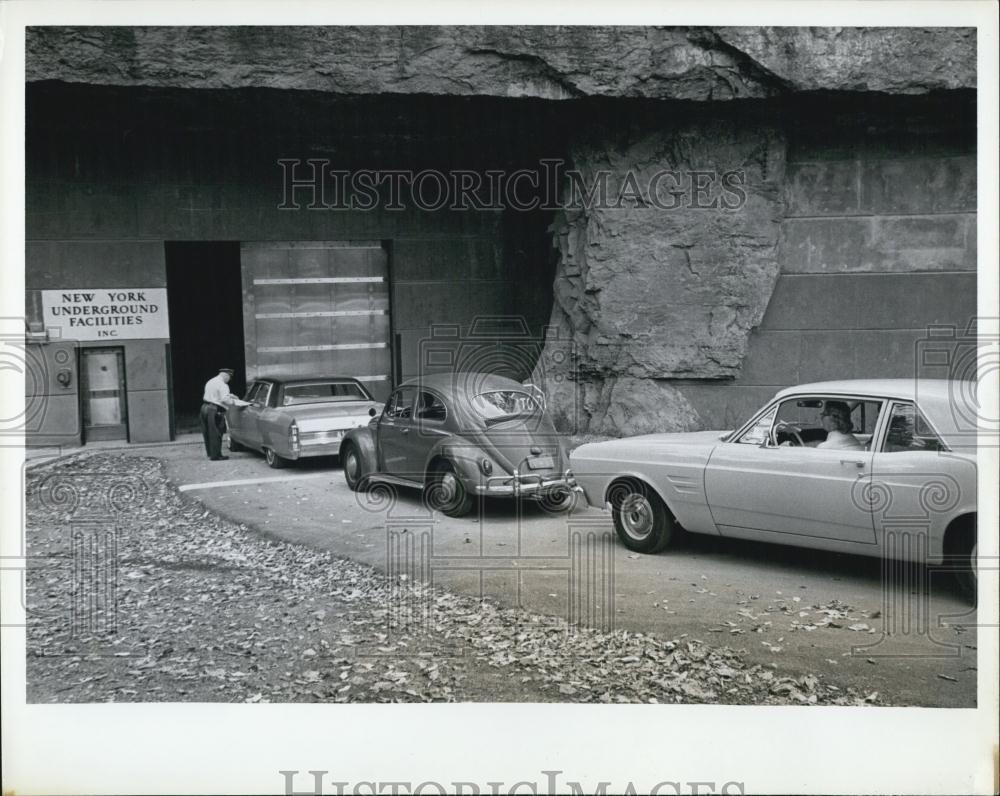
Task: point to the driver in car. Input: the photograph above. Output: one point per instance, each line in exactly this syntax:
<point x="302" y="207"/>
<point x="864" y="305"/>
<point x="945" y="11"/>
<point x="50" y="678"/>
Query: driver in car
<point x="836" y="419"/>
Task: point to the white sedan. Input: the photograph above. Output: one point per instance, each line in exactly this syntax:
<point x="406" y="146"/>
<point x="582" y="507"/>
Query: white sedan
<point x="882" y="467"/>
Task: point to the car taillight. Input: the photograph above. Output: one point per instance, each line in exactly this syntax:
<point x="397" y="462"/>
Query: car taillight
<point x="293" y="438"/>
<point x="486" y="466"/>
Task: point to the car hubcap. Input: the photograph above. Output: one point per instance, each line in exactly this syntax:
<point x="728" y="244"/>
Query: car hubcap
<point x="449" y="487"/>
<point x="269" y="455"/>
<point x="637" y="516"/>
<point x="352" y="466"/>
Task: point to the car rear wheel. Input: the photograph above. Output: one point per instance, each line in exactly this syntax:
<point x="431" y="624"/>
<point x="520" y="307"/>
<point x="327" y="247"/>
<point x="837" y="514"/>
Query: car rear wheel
<point x="353" y="471"/>
<point x="642" y="520"/>
<point x="274" y="460"/>
<point x="446" y="492"/>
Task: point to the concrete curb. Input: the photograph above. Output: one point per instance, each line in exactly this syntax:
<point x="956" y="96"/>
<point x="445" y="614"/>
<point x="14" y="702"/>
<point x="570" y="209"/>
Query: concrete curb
<point x="41" y="460"/>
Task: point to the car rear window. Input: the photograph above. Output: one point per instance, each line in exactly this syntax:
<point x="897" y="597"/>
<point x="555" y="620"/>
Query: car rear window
<point x="323" y="392"/>
<point x="498" y="405"/>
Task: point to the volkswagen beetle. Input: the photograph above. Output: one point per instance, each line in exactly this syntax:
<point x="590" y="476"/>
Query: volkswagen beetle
<point x="459" y="436"/>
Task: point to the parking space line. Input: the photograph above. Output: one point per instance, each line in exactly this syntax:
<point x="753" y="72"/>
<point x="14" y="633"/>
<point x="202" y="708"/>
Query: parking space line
<point x="250" y="481"/>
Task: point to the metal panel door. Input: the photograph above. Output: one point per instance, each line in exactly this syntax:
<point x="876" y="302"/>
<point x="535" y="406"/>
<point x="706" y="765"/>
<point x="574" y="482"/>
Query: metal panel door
<point x="317" y="309"/>
<point x="102" y="392"/>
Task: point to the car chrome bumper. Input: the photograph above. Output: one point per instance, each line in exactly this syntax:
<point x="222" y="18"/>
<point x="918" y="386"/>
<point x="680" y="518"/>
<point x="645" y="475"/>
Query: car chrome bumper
<point x="529" y="485"/>
<point x="331" y="448"/>
<point x="320" y="443"/>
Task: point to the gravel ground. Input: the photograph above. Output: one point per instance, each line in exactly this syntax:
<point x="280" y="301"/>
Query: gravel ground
<point x="193" y="607"/>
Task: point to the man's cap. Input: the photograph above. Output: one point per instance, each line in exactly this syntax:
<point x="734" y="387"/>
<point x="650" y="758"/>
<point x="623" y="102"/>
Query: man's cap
<point x="230" y="371"/>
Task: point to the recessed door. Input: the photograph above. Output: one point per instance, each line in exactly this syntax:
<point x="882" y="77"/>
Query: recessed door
<point x="102" y="393"/>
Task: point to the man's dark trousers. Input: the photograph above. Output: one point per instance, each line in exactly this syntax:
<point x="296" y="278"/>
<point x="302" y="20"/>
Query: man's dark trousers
<point x="211" y="429"/>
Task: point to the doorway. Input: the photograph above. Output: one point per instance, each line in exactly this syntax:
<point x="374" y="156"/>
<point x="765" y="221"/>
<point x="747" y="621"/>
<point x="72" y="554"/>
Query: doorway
<point x="205" y="303"/>
<point x="102" y="393"/>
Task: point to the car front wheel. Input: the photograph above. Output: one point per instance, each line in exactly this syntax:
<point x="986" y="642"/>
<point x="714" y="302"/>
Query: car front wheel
<point x="642" y="520"/>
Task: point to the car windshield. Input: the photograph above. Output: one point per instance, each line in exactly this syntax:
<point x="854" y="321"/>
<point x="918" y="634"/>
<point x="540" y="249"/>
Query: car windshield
<point x="499" y="405"/>
<point x="323" y="392"/>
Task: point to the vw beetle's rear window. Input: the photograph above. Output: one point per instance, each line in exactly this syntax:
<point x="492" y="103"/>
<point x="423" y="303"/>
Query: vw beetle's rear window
<point x="499" y="405"/>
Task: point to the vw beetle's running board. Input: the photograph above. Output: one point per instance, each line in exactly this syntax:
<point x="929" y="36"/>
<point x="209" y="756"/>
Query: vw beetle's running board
<point x="385" y="478"/>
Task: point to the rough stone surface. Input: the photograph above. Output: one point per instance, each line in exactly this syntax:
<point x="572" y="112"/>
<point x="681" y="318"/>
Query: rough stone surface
<point x="531" y="61"/>
<point x="890" y="60"/>
<point x="645" y="293"/>
<point x="620" y="407"/>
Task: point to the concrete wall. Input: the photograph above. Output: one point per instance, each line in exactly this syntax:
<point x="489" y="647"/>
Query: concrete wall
<point x="52" y="407"/>
<point x="878" y="243"/>
<point x="446" y="279"/>
<point x="112" y="174"/>
<point x="67" y="264"/>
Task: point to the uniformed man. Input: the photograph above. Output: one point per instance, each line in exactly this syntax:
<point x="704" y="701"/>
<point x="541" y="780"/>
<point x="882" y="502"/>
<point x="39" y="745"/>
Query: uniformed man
<point x="213" y="412"/>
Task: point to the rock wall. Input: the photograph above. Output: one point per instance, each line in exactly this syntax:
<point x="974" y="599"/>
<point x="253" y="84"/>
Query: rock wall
<point x="887" y="60"/>
<point x="878" y="244"/>
<point x="561" y="62"/>
<point x="646" y="294"/>
<point x="866" y="238"/>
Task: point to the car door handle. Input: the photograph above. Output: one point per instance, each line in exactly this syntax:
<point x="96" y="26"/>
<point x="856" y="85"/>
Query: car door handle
<point x="405" y="430"/>
<point x="856" y="462"/>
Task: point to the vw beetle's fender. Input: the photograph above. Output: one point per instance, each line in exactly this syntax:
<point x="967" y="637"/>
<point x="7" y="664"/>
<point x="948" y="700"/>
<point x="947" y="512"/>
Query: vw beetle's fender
<point x="364" y="439"/>
<point x="464" y="457"/>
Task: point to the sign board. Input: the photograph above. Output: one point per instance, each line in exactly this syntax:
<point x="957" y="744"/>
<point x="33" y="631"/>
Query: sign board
<point x="107" y="313"/>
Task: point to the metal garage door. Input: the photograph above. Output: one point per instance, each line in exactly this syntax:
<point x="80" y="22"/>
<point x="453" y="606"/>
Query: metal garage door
<point x="317" y="308"/>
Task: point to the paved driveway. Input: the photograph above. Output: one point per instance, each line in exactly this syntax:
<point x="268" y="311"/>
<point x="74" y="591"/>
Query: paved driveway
<point x="802" y="611"/>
